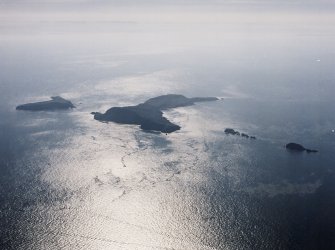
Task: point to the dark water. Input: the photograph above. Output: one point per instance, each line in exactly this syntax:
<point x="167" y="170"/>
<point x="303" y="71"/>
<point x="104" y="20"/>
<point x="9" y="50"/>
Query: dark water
<point x="69" y="182"/>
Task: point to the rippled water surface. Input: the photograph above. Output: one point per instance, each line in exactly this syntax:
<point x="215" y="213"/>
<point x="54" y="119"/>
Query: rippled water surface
<point x="70" y="182"/>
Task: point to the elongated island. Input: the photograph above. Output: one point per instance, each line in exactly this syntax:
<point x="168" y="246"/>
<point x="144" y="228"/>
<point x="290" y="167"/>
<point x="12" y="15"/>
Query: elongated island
<point x="55" y="103"/>
<point x="149" y="114"/>
<point x="299" y="148"/>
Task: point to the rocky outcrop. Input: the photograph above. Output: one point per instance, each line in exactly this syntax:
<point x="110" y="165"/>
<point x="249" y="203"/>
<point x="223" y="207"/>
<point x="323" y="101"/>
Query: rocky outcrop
<point x="231" y="131"/>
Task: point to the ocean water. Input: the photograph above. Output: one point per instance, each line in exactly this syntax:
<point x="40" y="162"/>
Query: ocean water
<point x="70" y="182"/>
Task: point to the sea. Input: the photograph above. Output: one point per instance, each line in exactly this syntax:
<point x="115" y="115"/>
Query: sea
<point x="68" y="181"/>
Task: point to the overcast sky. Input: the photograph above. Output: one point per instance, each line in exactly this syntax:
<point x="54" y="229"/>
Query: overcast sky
<point x="165" y="10"/>
<point x="312" y="4"/>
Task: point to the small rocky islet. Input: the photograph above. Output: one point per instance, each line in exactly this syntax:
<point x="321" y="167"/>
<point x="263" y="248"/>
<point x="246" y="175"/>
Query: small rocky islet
<point x="230" y="131"/>
<point x="292" y="146"/>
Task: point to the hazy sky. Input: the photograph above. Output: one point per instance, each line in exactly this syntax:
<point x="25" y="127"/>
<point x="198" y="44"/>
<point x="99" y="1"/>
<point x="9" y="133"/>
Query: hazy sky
<point x="81" y="4"/>
<point x="287" y="12"/>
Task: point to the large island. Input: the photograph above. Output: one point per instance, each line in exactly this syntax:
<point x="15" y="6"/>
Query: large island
<point x="149" y="114"/>
<point x="55" y="103"/>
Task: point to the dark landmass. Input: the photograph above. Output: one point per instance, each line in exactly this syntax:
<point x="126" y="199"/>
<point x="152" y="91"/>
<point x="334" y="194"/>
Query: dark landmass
<point x="299" y="148"/>
<point x="55" y="103"/>
<point x="148" y="117"/>
<point x="245" y="135"/>
<point x="149" y="114"/>
<point x="164" y="102"/>
<point x="231" y="131"/>
<point x="295" y="146"/>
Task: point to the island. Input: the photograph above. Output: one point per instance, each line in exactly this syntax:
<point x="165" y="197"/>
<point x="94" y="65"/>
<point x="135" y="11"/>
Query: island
<point x="149" y="114"/>
<point x="299" y="148"/>
<point x="56" y="103"/>
<point x="230" y="131"/>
